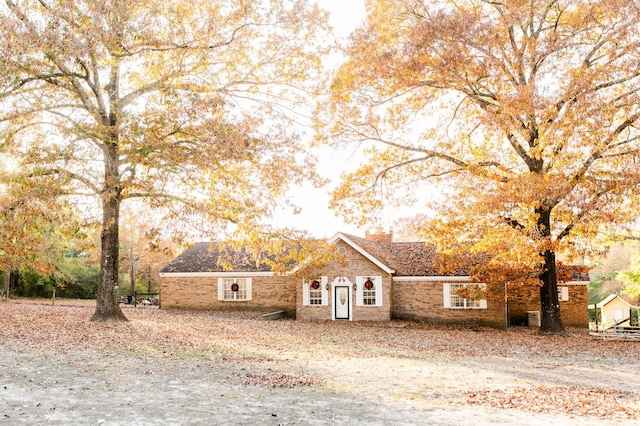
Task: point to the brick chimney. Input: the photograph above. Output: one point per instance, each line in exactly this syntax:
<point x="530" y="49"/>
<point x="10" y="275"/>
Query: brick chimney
<point x="379" y="236"/>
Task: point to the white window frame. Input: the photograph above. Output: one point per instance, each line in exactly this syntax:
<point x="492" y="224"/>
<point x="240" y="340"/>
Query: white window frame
<point x="306" y="291"/>
<point x="447" y="291"/>
<point x="377" y="290"/>
<point x="224" y="288"/>
<point x="563" y="293"/>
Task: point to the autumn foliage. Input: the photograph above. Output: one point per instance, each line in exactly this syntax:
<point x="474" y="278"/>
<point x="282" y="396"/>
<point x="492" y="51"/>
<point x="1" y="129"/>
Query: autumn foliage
<point x="181" y="103"/>
<point x="514" y="122"/>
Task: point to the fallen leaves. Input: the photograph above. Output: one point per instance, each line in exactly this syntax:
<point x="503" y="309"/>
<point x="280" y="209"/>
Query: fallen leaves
<point x="576" y="375"/>
<point x="276" y="379"/>
<point x="572" y="400"/>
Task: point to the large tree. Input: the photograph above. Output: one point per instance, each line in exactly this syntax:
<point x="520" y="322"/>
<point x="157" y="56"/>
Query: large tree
<point x="523" y="116"/>
<point x="167" y="100"/>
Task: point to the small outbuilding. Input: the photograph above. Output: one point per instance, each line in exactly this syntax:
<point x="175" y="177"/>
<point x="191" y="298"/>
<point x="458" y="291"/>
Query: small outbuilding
<point x="615" y="310"/>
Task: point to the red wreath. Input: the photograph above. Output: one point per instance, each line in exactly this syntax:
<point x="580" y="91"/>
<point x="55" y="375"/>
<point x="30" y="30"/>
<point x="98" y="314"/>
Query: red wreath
<point x="368" y="285"/>
<point x="315" y="284"/>
<point x="235" y="287"/>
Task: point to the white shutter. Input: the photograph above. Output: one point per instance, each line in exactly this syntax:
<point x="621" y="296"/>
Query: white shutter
<point x="446" y="292"/>
<point x="483" y="302"/>
<point x="220" y="288"/>
<point x="359" y="295"/>
<point x="564" y="294"/>
<point x="248" y="287"/>
<point x="324" y="282"/>
<point x="378" y="291"/>
<point x="305" y="293"/>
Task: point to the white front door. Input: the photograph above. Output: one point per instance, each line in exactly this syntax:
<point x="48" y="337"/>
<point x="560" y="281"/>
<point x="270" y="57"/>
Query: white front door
<point x="341" y="301"/>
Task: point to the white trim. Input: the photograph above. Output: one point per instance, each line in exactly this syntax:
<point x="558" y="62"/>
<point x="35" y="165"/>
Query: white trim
<point x="604" y="302"/>
<point x="221" y="289"/>
<point x="216" y="274"/>
<point x="462" y="278"/>
<point x="574" y="283"/>
<point x="356" y="247"/>
<point x="305" y="293"/>
<point x="360" y="290"/>
<point x="324" y="292"/>
<point x="446" y="292"/>
<point x="248" y="290"/>
<point x="324" y="282"/>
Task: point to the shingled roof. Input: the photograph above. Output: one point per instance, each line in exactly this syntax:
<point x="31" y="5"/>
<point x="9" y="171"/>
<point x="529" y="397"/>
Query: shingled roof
<point x="206" y="257"/>
<point x="403" y="259"/>
<point x="411" y="259"/>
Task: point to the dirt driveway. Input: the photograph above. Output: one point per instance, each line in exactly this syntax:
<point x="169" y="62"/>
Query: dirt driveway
<point x="192" y="368"/>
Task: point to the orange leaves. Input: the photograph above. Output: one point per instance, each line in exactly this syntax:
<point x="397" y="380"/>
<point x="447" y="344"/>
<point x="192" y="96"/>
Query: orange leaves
<point x="522" y="116"/>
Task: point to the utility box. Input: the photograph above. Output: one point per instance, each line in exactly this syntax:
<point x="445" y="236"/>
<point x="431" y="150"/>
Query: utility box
<point x="533" y="318"/>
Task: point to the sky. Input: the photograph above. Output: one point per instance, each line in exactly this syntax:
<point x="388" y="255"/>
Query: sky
<point x="315" y="216"/>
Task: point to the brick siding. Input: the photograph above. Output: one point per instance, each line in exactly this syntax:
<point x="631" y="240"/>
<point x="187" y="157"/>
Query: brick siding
<point x="357" y="265"/>
<point x="424" y="301"/>
<point x="408" y="300"/>
<point x="271" y="293"/>
<point x="527" y="298"/>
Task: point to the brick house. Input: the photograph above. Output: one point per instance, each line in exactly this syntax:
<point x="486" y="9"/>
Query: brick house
<point x="381" y="280"/>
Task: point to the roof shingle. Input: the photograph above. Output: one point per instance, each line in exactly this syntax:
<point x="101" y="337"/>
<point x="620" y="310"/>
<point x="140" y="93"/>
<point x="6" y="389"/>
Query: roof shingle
<point x="412" y="258"/>
<point x="206" y="257"/>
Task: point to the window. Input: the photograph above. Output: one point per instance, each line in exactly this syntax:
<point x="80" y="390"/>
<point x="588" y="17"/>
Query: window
<point x="563" y="294"/>
<point x="234" y="289"/>
<point x="459" y="296"/>
<point x="369" y="291"/>
<point x="314" y="292"/>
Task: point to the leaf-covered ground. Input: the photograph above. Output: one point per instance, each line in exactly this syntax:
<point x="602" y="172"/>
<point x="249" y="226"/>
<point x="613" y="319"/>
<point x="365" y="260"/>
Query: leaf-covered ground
<point x="185" y="367"/>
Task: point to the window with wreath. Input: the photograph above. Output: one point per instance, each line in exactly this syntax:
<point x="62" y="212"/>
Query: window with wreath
<point x="315" y="292"/>
<point x="464" y="296"/>
<point x="234" y="289"/>
<point x="369" y="291"/>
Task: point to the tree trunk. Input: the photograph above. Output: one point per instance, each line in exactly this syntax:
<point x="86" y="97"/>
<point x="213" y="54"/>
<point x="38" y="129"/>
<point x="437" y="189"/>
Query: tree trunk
<point x="550" y="318"/>
<point x="132" y="277"/>
<point x="6" y="279"/>
<point x="107" y="306"/>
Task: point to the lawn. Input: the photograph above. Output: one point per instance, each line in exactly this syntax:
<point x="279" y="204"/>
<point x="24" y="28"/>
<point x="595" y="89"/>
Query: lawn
<point x="186" y="367"/>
